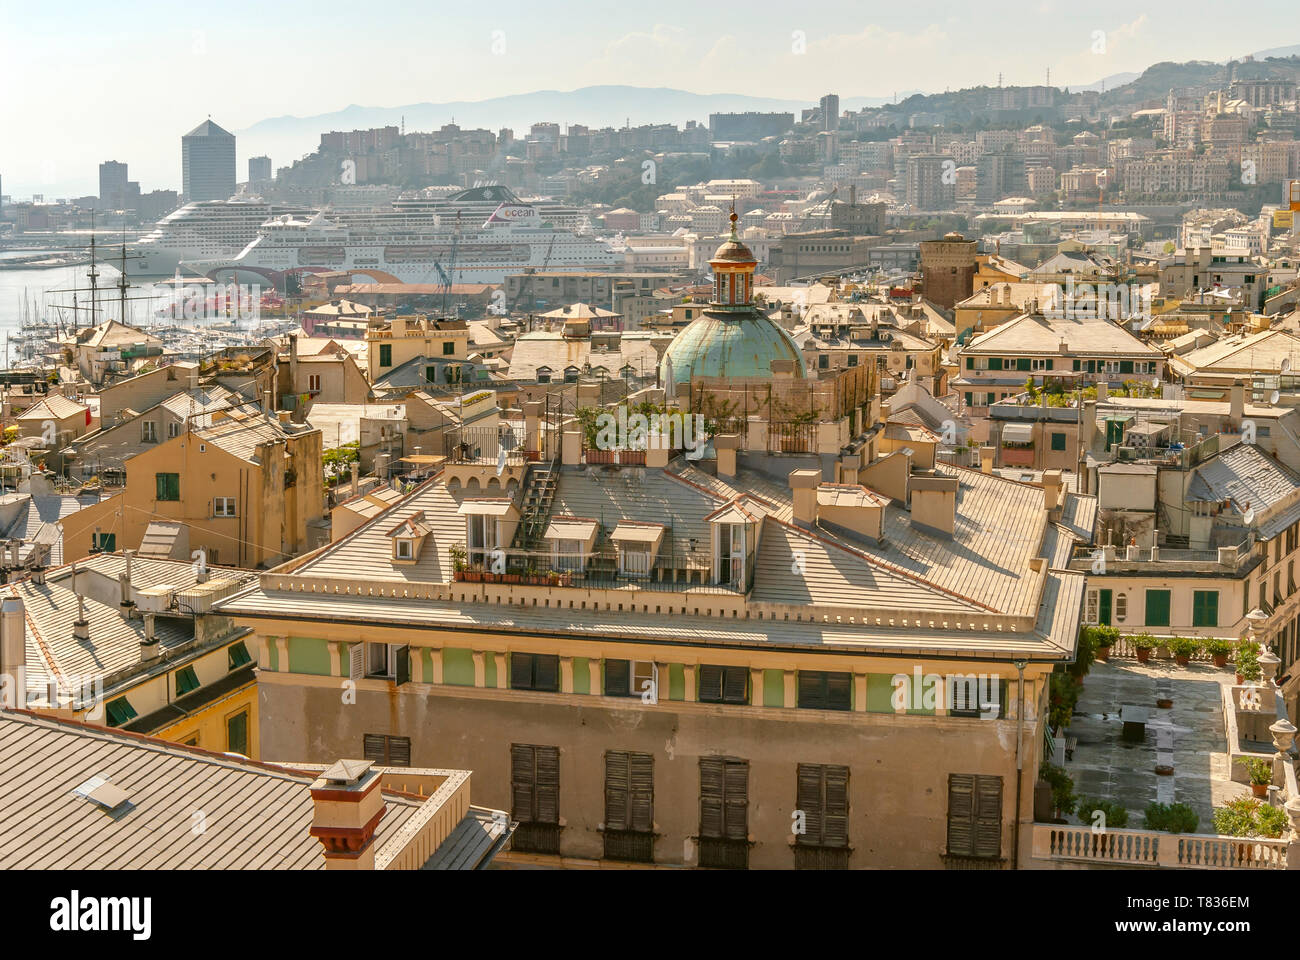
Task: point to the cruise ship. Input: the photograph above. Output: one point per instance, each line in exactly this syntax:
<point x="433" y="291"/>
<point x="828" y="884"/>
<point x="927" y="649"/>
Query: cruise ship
<point x="477" y="203"/>
<point x="403" y="247"/>
<point x="205" y="230"/>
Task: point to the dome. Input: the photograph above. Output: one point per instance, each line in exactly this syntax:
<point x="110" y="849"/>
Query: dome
<point x="733" y="251"/>
<point x="729" y="344"/>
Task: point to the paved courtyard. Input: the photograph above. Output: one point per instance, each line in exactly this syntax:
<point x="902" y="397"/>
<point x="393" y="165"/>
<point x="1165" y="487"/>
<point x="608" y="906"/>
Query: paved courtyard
<point x="1191" y="733"/>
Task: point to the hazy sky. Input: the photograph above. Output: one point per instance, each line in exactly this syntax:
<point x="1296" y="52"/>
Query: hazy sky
<point x="84" y="81"/>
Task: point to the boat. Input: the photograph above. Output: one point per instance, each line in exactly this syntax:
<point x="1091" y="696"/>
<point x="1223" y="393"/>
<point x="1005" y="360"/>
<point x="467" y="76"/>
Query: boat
<point x="201" y="230"/>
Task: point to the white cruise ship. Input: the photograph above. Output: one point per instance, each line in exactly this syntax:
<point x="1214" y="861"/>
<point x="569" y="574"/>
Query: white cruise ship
<point x="477" y="203"/>
<point x="389" y="247"/>
<point x="206" y="230"/>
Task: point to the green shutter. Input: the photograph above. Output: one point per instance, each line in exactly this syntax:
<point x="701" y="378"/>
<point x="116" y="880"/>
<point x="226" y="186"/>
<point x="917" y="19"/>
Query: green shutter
<point x="968" y="400"/>
<point x="1022" y="363"/>
<point x="970" y="363"/>
<point x="1157" y="608"/>
<point x="995" y="363"/>
<point x="237" y="655"/>
<point x="385" y="354"/>
<point x="1058" y="441"/>
<point x="1103" y="607"/>
<point x="1077" y="364"/>
<point x="186" y="680"/>
<point x="1126" y="366"/>
<point x="1205" y="608"/>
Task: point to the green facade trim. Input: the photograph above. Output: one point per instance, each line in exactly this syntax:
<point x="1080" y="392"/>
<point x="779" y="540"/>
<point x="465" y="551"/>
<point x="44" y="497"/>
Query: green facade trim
<point x="272" y="653"/>
<point x="581" y="675"/>
<point x="880" y="693"/>
<point x="489" y="668"/>
<point x="457" y="667"/>
<point x="426" y="664"/>
<point x="774" y="688"/>
<point x="309" y="655"/>
<point x="676" y="681"/>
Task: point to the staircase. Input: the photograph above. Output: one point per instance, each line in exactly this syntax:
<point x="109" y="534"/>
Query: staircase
<point x="538" y="494"/>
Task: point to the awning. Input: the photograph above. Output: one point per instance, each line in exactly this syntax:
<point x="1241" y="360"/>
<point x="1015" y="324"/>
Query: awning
<point x="573" y="528"/>
<point x="486" y="508"/>
<point x="1018" y="433"/>
<point x="648" y="533"/>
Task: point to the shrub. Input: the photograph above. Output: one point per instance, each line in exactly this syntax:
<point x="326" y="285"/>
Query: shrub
<point x="1062" y="787"/>
<point x="1144" y="641"/>
<point x="1260" y="770"/>
<point x="1063" y="695"/>
<point x="1238" y="818"/>
<point x="1218" y="646"/>
<point x="1185" y="646"/>
<point x="1114" y="815"/>
<point x="1171" y="818"/>
<point x="1273" y="821"/>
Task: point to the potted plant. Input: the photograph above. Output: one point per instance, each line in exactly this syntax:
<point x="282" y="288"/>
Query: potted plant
<point x="1062" y="784"/>
<point x="553" y="577"/>
<point x="1219" y="649"/>
<point x="457" y="553"/>
<point x="1103" y="638"/>
<point x="1143" y="644"/>
<point x="1248" y="661"/>
<point x="1261" y="774"/>
<point x="1113" y="815"/>
<point x="1171" y="818"/>
<point x="1247" y="817"/>
<point x="1184" y="648"/>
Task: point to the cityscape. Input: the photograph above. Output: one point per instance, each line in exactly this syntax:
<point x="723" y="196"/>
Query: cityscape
<point x="885" y="479"/>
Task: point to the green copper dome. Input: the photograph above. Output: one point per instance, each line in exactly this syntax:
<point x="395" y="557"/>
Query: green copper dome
<point x="729" y="343"/>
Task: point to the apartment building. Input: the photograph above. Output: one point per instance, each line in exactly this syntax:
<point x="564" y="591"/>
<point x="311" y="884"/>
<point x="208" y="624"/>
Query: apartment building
<point x="401" y="339"/>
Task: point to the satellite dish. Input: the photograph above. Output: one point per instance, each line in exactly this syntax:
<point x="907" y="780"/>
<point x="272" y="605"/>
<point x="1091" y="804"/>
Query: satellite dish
<point x="1286" y="365"/>
<point x="1273" y="397"/>
<point x="1249" y="516"/>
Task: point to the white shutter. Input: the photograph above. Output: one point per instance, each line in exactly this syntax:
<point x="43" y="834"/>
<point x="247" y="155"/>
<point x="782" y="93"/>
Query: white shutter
<point x="392" y="658"/>
<point x="356" y="661"/>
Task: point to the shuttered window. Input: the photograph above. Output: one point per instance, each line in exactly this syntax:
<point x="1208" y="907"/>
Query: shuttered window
<point x="1205" y="607"/>
<point x="237" y="655"/>
<point x="822" y="793"/>
<point x="535" y="671"/>
<point x="724" y="798"/>
<point x="387" y="751"/>
<point x="535" y="783"/>
<point x="629" y="791"/>
<point x="168" y="486"/>
<point x="974" y="815"/>
<point x="723" y="684"/>
<point x="1157" y="608"/>
<point x="820" y="690"/>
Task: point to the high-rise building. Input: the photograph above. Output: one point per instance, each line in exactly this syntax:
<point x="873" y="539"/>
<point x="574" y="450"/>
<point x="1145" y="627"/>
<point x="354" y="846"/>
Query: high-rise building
<point x="259" y="169"/>
<point x="931" y="181"/>
<point x="830" y="105"/>
<point x="208" y="163"/>
<point x="112" y="185"/>
<point x="999" y="175"/>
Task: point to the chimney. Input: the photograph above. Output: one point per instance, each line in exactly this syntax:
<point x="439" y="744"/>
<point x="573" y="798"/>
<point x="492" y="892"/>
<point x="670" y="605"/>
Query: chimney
<point x="268" y="403"/>
<point x="986" y="459"/>
<point x="1103" y="390"/>
<point x="355" y="467"/>
<point x="149" y="645"/>
<point x="803" y="485"/>
<point x="726" y="446"/>
<point x="347" y="805"/>
<point x="13" y="653"/>
<point x="80" y="626"/>
<point x="1237" y="402"/>
<point x="1053" y="488"/>
<point x="934" y="504"/>
<point x="124" y="579"/>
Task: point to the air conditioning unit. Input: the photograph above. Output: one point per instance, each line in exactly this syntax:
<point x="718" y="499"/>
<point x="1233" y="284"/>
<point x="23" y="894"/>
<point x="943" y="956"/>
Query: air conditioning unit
<point x="157" y="599"/>
<point x="1126" y="453"/>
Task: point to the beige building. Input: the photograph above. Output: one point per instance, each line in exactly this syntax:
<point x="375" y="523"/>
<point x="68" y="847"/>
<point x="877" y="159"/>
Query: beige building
<point x="391" y="344"/>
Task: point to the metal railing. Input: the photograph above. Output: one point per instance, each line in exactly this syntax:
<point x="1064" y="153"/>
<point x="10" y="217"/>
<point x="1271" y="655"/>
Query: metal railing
<point x="603" y="566"/>
<point x="482" y="445"/>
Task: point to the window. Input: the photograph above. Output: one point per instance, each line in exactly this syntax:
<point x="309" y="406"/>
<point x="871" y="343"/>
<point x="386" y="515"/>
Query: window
<point x="1157" y="608"/>
<point x="1121" y="607"/>
<point x="168" y="486"/>
<point x="723" y="684"/>
<point x="1098" y="607"/>
<point x="853" y="359"/>
<point x="223" y="507"/>
<point x="237" y="655"/>
<point x="385" y="354"/>
<point x="119" y="711"/>
<point x="404" y="548"/>
<point x="379" y="660"/>
<point x="535" y="671"/>
<point x="103" y="542"/>
<point x="385" y="750"/>
<point x="820" y="690"/>
<point x="237" y="733"/>
<point x="629" y="806"/>
<point x="186" y="681"/>
<point x="974" y="815"/>
<point x="313" y="383"/>
<point x="535" y="797"/>
<point x="822" y="795"/>
<point x="724" y="813"/>
<point x="823" y="362"/>
<point x="1042" y="363"/>
<point x="448" y="348"/>
<point x="631" y="678"/>
<point x="1058" y="441"/>
<point x="149" y="431"/>
<point x="173" y="430"/>
<point x="1205" y="608"/>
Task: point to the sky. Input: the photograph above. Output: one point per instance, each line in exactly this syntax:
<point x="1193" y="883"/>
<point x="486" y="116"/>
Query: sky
<point x="83" y="81"/>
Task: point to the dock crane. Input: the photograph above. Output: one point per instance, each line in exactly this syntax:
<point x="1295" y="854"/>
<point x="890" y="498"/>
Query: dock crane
<point x="450" y="272"/>
<point x="550" y="248"/>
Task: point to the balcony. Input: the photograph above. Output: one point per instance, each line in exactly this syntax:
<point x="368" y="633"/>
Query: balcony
<point x="1225" y="560"/>
<point x="604" y="567"/>
<point x="1145" y="848"/>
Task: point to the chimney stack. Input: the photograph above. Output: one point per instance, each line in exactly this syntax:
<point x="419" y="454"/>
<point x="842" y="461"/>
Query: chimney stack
<point x="13" y="653"/>
<point x="80" y="626"/>
<point x="347" y="805"/>
<point x="355" y="467"/>
<point x="986" y="459"/>
<point x="149" y="651"/>
<point x="803" y="486"/>
<point x="1053" y="488"/>
<point x="1237" y="402"/>
<point x="124" y="580"/>
<point x="726" y="446"/>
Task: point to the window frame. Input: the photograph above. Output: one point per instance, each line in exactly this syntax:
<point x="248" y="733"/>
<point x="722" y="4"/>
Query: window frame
<point x="167" y="487"/>
<point x="188" y="674"/>
<point x="816" y="685"/>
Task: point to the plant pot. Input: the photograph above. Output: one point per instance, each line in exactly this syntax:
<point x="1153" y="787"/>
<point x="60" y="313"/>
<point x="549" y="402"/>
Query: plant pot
<point x="1103" y="654"/>
<point x="1259" y="789"/>
<point x="510" y="577"/>
<point x="460" y="574"/>
<point x="1182" y="659"/>
<point x="1143" y="654"/>
<point x="1220" y="659"/>
<point x="473" y="576"/>
<point x="1240" y="679"/>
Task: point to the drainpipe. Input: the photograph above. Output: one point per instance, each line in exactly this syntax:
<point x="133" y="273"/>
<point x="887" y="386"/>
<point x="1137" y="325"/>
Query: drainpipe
<point x="1020" y="738"/>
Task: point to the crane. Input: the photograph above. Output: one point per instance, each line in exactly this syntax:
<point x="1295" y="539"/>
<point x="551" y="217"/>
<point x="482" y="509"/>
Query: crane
<point x="450" y="272"/>
<point x="528" y="285"/>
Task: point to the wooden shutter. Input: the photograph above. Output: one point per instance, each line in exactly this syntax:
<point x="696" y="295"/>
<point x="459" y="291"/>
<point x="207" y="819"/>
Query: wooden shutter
<point x="835" y="829"/>
<point x="736" y="799"/>
<point x="522" y="777"/>
<point x="548" y="784"/>
<point x="839" y="691"/>
<point x="961" y="814"/>
<point x="521" y="671"/>
<point x="374" y="747"/>
<point x="711" y="796"/>
<point x="735" y="685"/>
<point x="641" y="792"/>
<point x="402" y="664"/>
<point x="546" y="672"/>
<point x="618" y="675"/>
<point x="988" y="816"/>
<point x="710" y="684"/>
<point x="399" y="751"/>
<point x="616" y="790"/>
<point x="812" y="689"/>
<point x="808" y="798"/>
<point x="356" y="661"/>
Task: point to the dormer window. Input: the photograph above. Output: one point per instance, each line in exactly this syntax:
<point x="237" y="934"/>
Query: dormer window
<point x="572" y="540"/>
<point x="408" y="537"/>
<point x="404" y="548"/>
<point x="735" y="542"/>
